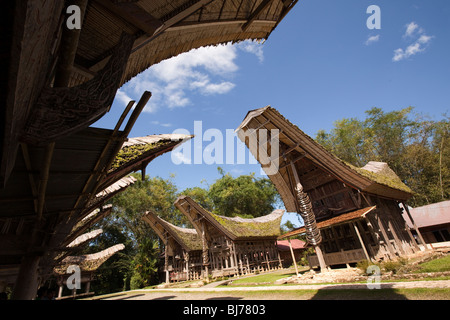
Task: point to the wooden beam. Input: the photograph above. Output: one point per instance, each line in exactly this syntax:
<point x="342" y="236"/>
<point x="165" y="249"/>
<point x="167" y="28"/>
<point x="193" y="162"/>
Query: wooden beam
<point x="174" y="17"/>
<point x="293" y="257"/>
<point x="361" y="241"/>
<point x="262" y="6"/>
<point x="69" y="45"/>
<point x="405" y="205"/>
<point x="133" y="14"/>
<point x="44" y="179"/>
<point x="27" y="159"/>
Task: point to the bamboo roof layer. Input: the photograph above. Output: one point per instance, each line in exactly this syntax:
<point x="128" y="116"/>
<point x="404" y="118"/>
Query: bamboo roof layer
<point x="294" y="141"/>
<point x="187" y="238"/>
<point x="236" y="228"/>
<point x="116" y="41"/>
<point x="343" y="218"/>
<point x="85" y="237"/>
<point x="163" y="29"/>
<point x="88" y="262"/>
<point x="136" y="153"/>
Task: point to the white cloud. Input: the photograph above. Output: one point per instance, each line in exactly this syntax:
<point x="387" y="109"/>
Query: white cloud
<point x="166" y="125"/>
<point x="421" y="40"/>
<point x="424" y="39"/>
<point x="372" y="39"/>
<point x="122" y="97"/>
<point x="410" y="28"/>
<point x="253" y="47"/>
<point x="205" y="71"/>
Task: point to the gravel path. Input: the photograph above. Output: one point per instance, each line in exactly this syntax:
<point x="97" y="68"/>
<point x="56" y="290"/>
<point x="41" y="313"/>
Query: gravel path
<point x="282" y="292"/>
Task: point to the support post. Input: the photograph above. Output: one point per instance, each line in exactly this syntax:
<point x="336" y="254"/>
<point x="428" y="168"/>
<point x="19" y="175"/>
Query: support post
<point x="205" y="252"/>
<point x="293" y="257"/>
<point x="414" y="225"/>
<point x="361" y="241"/>
<point x="27" y="281"/>
<point x="166" y="259"/>
<point x="385" y="236"/>
<point x="322" y="264"/>
<point x="311" y="228"/>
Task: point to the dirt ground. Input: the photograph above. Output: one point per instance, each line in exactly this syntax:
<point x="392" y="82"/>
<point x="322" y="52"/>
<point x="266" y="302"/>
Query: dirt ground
<point x="417" y="290"/>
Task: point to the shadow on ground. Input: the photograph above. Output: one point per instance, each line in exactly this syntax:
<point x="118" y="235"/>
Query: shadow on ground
<point x="358" y="294"/>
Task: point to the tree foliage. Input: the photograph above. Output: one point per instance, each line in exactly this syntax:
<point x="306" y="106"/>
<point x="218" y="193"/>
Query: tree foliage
<point x="244" y="196"/>
<point x="415" y="147"/>
<point x="136" y="266"/>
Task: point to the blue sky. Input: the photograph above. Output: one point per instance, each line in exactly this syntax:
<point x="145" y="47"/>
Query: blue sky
<point x="320" y="65"/>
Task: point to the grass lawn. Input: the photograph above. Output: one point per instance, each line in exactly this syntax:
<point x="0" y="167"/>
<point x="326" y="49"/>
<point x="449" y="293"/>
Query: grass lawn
<point x="436" y="265"/>
<point x="350" y="294"/>
<point x="267" y="277"/>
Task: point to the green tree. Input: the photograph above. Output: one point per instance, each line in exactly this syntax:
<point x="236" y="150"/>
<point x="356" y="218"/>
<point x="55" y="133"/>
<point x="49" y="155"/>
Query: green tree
<point x="415" y="147"/>
<point x="201" y="196"/>
<point x="136" y="265"/>
<point x="244" y="196"/>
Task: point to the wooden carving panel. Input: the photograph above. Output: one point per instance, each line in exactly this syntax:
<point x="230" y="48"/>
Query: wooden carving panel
<point x="61" y="111"/>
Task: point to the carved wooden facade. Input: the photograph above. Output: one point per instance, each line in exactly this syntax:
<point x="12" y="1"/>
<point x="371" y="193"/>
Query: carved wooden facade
<point x="233" y="246"/>
<point x="338" y="192"/>
<point x="182" y="249"/>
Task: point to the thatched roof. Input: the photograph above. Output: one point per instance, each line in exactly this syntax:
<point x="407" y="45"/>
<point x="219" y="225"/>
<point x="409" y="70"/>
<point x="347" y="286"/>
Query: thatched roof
<point x="236" y="228"/>
<point x="343" y="218"/>
<point x="85" y="237"/>
<point x="187" y="238"/>
<point x="88" y="262"/>
<point x="308" y="155"/>
<point x="137" y="153"/>
<point x="116" y="41"/>
<point x="163" y="29"/>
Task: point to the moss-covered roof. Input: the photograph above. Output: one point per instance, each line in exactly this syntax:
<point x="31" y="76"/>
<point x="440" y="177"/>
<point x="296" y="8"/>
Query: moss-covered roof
<point x="262" y="227"/>
<point x="190" y="237"/>
<point x="236" y="228"/>
<point x="385" y="177"/>
<point x="87" y="262"/>
<point x="380" y="182"/>
<point x="185" y="237"/>
<point x="134" y="149"/>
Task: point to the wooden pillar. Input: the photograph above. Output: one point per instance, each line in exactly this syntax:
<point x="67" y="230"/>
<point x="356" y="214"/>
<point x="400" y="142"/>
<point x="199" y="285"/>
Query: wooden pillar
<point x="415" y="245"/>
<point x="398" y="242"/>
<point x="166" y="259"/>
<point x="69" y="45"/>
<point x="293" y="257"/>
<point x="27" y="281"/>
<point x="361" y="241"/>
<point x="266" y="253"/>
<point x="299" y="189"/>
<point x="385" y="235"/>
<point x="405" y="205"/>
<point x="322" y="264"/>
<point x="205" y="256"/>
<point x="280" y="264"/>
<point x="236" y="263"/>
<point x="61" y="287"/>
<point x="365" y="239"/>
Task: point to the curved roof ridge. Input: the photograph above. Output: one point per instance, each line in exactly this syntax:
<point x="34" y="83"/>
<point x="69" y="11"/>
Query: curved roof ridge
<point x="262" y="219"/>
<point x="352" y="176"/>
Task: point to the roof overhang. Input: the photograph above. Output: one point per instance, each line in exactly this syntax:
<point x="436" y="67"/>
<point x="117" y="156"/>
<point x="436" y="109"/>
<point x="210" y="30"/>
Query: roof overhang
<point x="334" y="221"/>
<point x="291" y="145"/>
